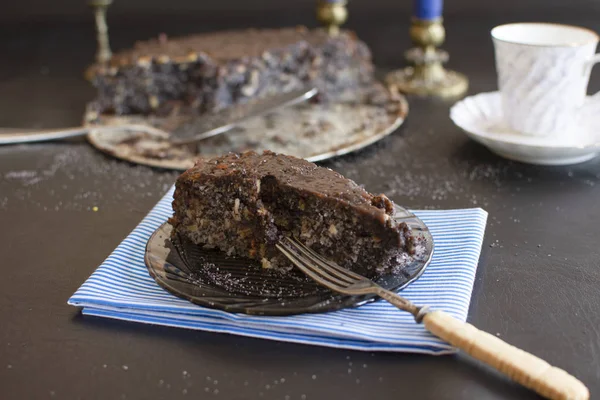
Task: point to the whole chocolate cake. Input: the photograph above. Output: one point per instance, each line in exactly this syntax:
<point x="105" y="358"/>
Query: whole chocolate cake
<point x="243" y="204"/>
<point x="209" y="72"/>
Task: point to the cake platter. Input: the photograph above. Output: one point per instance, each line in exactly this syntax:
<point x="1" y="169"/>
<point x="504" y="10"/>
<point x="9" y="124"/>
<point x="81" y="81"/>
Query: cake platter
<point x="313" y="131"/>
<point x="212" y="279"/>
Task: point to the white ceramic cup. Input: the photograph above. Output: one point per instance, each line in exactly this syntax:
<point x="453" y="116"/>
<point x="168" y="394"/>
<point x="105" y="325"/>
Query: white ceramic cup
<point x="543" y="74"/>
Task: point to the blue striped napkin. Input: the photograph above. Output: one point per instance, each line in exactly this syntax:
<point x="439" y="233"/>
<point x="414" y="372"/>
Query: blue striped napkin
<point x="446" y="284"/>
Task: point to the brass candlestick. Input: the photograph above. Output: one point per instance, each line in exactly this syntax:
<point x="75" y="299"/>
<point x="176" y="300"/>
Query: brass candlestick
<point x="100" y="7"/>
<point x="332" y="14"/>
<point x="427" y="76"/>
<point x="103" y="54"/>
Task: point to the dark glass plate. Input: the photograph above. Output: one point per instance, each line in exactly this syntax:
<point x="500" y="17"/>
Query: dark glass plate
<point x="212" y="279"/>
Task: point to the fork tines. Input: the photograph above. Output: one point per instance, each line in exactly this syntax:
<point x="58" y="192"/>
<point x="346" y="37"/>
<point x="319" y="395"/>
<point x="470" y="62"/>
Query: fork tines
<point x="325" y="272"/>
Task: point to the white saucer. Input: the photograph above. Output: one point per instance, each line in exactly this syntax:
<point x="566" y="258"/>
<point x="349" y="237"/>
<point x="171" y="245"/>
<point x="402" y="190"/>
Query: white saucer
<point x="480" y="116"/>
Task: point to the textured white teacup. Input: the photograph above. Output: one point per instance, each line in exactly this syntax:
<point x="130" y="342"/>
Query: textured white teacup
<point x="543" y="73"/>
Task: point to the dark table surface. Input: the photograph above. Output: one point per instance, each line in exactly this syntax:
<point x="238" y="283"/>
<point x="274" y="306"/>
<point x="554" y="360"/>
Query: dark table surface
<point x="537" y="285"/>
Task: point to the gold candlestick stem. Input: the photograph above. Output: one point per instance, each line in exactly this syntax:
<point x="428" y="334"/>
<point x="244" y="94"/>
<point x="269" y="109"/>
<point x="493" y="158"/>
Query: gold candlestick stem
<point x="103" y="53"/>
<point x="100" y="7"/>
<point x="332" y="14"/>
<point x="427" y="76"/>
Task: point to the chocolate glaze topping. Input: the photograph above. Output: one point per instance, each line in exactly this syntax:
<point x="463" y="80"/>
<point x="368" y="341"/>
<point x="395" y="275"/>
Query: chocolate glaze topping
<point x="221" y="46"/>
<point x="298" y="173"/>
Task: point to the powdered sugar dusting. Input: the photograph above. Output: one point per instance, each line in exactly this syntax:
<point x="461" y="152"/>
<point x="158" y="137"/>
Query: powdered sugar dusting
<point x="56" y="177"/>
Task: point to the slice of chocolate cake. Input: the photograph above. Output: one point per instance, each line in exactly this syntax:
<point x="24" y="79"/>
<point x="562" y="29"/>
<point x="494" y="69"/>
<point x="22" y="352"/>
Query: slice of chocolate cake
<point x="243" y="204"/>
<point x="209" y="72"/>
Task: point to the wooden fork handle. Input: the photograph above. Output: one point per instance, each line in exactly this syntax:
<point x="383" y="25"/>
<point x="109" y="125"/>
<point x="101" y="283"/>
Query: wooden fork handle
<point x="525" y="368"/>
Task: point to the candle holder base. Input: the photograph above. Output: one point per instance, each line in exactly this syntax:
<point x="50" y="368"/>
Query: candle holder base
<point x="427" y="76"/>
<point x="451" y="84"/>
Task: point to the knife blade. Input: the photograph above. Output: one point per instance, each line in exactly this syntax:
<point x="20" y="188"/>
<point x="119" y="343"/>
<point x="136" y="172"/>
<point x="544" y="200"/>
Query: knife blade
<point x="199" y="128"/>
<point x="194" y="129"/>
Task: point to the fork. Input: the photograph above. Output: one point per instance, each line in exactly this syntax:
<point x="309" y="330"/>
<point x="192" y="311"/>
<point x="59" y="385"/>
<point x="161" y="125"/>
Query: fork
<point x="524" y="368"/>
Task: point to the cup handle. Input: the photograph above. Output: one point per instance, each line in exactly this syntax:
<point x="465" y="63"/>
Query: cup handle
<point x="595" y="98"/>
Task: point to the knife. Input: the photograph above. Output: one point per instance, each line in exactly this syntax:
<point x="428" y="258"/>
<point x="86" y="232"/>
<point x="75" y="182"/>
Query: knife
<point x="196" y="129"/>
<point x="214" y="124"/>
